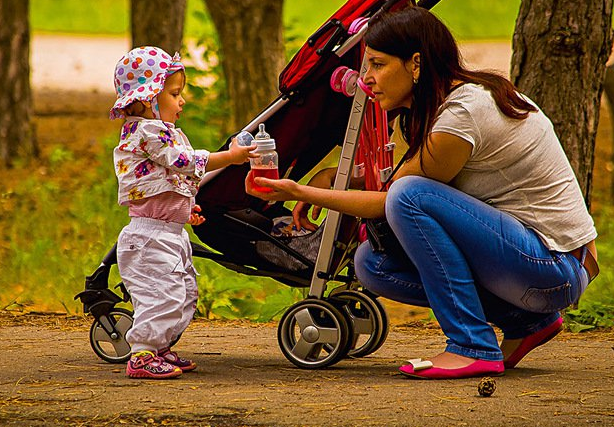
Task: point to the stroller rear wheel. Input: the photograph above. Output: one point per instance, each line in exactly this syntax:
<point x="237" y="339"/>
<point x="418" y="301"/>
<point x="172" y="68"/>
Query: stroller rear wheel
<point x="112" y="346"/>
<point x="385" y="322"/>
<point x="368" y="320"/>
<point x="313" y="334"/>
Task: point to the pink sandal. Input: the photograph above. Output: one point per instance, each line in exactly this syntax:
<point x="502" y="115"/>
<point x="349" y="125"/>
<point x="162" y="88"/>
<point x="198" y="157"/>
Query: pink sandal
<point x="418" y="368"/>
<point x="532" y="341"/>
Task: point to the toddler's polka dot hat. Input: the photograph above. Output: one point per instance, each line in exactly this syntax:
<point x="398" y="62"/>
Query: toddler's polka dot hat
<point x="140" y="76"/>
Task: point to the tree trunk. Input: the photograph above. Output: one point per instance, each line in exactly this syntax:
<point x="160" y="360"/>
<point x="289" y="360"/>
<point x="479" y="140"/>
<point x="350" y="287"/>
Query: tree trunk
<point x="252" y="53"/>
<point x="17" y="136"/>
<point x="559" y="54"/>
<point x="608" y="89"/>
<point x="158" y="23"/>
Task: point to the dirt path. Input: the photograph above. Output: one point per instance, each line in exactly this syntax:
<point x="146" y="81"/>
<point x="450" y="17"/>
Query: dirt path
<point x="50" y="377"/>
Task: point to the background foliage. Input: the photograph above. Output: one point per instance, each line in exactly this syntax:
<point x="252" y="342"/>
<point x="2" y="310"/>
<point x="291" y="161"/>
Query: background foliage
<point x="111" y="16"/>
<point x="56" y="230"/>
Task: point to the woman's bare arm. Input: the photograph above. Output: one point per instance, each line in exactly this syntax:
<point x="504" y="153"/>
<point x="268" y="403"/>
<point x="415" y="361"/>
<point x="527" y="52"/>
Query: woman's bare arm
<point x="362" y="204"/>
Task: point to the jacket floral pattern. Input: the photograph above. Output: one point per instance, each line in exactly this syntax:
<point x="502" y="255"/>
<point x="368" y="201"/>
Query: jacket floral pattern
<point x="153" y="157"/>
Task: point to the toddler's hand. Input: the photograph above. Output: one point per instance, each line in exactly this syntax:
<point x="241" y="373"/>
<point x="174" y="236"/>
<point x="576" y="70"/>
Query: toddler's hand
<point x="195" y="218"/>
<point x="240" y="154"/>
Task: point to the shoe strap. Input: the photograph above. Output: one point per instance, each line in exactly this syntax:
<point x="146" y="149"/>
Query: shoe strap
<point x="142" y="358"/>
<point x="144" y="354"/>
<point x="419" y="364"/>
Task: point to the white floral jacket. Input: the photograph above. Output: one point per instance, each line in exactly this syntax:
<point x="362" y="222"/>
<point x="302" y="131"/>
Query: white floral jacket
<point x="153" y="157"/>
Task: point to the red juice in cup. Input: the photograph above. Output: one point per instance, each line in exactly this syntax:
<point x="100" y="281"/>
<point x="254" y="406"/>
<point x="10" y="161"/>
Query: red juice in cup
<point x="266" y="163"/>
<point x="271" y="173"/>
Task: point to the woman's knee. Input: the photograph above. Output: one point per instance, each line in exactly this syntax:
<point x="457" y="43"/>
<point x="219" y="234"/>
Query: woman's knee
<point x="403" y="192"/>
<point x="364" y="264"/>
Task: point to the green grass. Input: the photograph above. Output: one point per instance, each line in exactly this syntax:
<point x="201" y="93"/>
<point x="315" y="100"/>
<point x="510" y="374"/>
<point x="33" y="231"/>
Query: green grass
<point x="469" y="19"/>
<point x="80" y="16"/>
<point x="55" y="233"/>
<point x="112" y="16"/>
<point x="479" y="19"/>
<point x="58" y="232"/>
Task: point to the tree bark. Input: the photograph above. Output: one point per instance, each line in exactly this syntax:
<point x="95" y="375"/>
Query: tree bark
<point x="17" y="136"/>
<point x="608" y="89"/>
<point x="559" y="54"/>
<point x="158" y="23"/>
<point x="252" y="53"/>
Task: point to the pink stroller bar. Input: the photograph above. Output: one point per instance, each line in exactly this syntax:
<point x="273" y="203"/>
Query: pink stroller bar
<point x="332" y="33"/>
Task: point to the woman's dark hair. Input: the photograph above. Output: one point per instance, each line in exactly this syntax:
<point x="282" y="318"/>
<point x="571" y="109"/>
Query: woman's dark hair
<point x="404" y="33"/>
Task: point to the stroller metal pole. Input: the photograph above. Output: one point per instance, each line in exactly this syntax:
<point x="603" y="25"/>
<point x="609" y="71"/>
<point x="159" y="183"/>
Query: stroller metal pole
<point x="352" y="41"/>
<point x="268" y="112"/>
<point x="342" y="181"/>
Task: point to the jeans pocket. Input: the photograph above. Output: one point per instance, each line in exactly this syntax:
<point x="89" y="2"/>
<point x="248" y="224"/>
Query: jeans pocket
<point x="547" y="300"/>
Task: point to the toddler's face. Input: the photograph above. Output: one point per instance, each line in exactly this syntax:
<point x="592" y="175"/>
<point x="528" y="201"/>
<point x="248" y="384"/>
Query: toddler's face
<point x="170" y="101"/>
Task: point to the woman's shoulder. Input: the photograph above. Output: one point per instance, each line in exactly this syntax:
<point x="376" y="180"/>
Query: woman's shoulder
<point x="471" y="97"/>
<point x="468" y="92"/>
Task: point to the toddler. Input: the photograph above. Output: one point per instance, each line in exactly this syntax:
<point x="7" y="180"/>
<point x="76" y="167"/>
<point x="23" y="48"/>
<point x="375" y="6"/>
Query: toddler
<point x="158" y="173"/>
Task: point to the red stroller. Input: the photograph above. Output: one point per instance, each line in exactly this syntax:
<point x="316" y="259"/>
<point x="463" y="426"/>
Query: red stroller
<point x="320" y="106"/>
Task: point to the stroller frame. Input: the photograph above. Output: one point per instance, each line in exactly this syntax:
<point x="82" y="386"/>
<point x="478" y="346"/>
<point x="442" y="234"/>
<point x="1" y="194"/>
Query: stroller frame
<point x="313" y="333"/>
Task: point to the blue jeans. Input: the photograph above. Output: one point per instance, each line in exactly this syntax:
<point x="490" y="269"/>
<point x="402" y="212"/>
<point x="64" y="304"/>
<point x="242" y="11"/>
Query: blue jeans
<point x="472" y="264"/>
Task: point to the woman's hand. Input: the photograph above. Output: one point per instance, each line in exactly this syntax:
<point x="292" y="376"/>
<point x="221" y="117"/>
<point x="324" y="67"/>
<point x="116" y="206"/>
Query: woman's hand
<point x="323" y="179"/>
<point x="195" y="218"/>
<point x="300" y="216"/>
<point x="363" y="204"/>
<point x="282" y="189"/>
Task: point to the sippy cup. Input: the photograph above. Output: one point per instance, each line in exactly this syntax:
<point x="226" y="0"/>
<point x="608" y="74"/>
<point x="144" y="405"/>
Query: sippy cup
<point x="267" y="164"/>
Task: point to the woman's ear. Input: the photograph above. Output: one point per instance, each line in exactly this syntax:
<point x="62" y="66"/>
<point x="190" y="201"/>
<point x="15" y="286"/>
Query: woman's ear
<point x="412" y="65"/>
<point x="415" y="60"/>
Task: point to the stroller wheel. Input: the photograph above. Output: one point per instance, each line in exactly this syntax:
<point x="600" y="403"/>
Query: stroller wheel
<point x="110" y="348"/>
<point x="365" y="316"/>
<point x="385" y="322"/>
<point x="313" y="334"/>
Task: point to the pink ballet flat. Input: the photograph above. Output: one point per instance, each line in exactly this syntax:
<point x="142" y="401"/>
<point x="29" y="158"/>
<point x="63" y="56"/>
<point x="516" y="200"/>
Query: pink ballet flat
<point x="425" y="370"/>
<point x="532" y="341"/>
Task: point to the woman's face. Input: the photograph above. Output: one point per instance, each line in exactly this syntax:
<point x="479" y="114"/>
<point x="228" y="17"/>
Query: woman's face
<point x="391" y="78"/>
<point x="170" y="101"/>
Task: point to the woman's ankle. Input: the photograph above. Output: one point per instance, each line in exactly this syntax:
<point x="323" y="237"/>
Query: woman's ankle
<point x="449" y="360"/>
<point x="509" y="346"/>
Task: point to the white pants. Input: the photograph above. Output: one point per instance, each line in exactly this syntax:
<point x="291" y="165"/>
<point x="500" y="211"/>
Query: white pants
<point x="155" y="262"/>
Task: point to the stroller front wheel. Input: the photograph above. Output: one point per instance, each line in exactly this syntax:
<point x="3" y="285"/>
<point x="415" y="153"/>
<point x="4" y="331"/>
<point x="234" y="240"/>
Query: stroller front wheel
<point x="108" y="336"/>
<point x="313" y="334"/>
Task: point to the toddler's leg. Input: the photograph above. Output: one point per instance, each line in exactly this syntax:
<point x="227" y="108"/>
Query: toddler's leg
<point x="191" y="288"/>
<point x="189" y="308"/>
<point x="149" y="263"/>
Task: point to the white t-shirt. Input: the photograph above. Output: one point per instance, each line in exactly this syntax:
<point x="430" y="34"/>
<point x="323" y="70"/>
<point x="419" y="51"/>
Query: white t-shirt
<point x="517" y="166"/>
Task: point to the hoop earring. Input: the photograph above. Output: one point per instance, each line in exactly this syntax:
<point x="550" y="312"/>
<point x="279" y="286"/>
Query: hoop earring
<point x="415" y="81"/>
